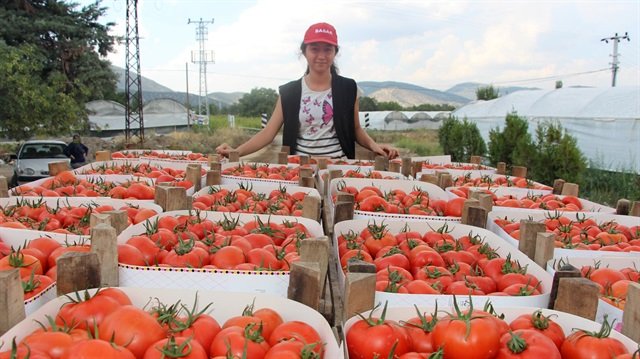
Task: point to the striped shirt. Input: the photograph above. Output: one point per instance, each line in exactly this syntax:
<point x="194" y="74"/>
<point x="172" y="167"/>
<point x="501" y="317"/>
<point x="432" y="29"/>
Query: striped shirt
<point x="317" y="136"/>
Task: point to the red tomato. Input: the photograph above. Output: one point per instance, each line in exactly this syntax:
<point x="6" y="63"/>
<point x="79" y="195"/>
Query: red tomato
<point x="89" y="311"/>
<point x="582" y="344"/>
<point x="419" y="329"/>
<point x="527" y="344"/>
<point x="371" y="337"/>
<point x="299" y="331"/>
<point x="131" y="327"/>
<point x="239" y="342"/>
<point x="541" y="323"/>
<point x="454" y="207"/>
<point x="97" y="349"/>
<point x="176" y="347"/>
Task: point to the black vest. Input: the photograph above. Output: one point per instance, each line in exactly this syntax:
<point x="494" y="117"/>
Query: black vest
<point x="344" y="92"/>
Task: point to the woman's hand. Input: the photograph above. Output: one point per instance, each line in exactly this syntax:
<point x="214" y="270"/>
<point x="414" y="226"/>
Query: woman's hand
<point x="224" y="149"/>
<point x="387" y="151"/>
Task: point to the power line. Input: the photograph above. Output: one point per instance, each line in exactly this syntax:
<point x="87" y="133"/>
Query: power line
<point x="552" y="77"/>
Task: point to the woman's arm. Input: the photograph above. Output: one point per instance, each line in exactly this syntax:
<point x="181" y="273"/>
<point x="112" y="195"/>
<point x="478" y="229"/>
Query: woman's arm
<point x="362" y="137"/>
<point x="260" y="139"/>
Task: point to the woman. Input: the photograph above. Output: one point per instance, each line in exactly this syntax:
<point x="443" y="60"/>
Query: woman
<point x="320" y="110"/>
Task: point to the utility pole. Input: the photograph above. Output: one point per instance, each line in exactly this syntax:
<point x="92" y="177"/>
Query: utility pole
<point x="614" y="64"/>
<point x="134" y="124"/>
<point x="202" y="57"/>
<point x="188" y="105"/>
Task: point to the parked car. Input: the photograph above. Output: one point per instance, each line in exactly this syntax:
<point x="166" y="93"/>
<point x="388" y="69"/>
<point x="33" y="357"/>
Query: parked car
<point x="33" y="158"/>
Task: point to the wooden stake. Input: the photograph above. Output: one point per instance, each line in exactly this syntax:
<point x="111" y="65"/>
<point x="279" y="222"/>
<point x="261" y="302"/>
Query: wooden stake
<point x="635" y="209"/>
<point x="417" y="168"/>
<point x="501" y="168"/>
<point x="306" y="171"/>
<point x="304" y="159"/>
<point x="213" y="178"/>
<point x="234" y="156"/>
<point x="105" y="245"/>
<point x="566" y="271"/>
<point x="519" y="171"/>
<point x="359" y="293"/>
<point x="77" y="271"/>
<point x="311" y="207"/>
<point x="215" y="166"/>
<point x="103" y="155"/>
<point x="308" y="182"/>
<point x="578" y="296"/>
<point x="322" y="163"/>
<point x="316" y="250"/>
<point x="4" y="187"/>
<point x="394" y="166"/>
<point x="407" y="166"/>
<point x="194" y="175"/>
<point x="160" y="195"/>
<point x="429" y="178"/>
<point x="557" y="186"/>
<point x="528" y="237"/>
<point x="360" y="266"/>
<point x="99" y="218"/>
<point x="119" y="220"/>
<point x="486" y="201"/>
<point x="304" y="283"/>
<point x="445" y="181"/>
<point x="11" y="300"/>
<point x="283" y="158"/>
<point x="570" y="189"/>
<point x="476" y="160"/>
<point x="623" y="206"/>
<point x="176" y="199"/>
<point x="545" y="246"/>
<point x="465" y="209"/>
<point x="286" y="149"/>
<point x="631" y="314"/>
<point x="57" y="167"/>
<point x="381" y="164"/>
<point x="344" y="208"/>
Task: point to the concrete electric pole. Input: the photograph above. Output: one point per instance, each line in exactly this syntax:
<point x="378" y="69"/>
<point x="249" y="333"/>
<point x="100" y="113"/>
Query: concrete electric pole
<point x="614" y="63"/>
<point x="202" y="57"/>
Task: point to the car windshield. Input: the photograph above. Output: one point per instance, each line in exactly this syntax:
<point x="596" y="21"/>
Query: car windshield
<point x="42" y="150"/>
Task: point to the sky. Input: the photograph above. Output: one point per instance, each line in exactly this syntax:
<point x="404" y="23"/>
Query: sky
<point x="433" y="44"/>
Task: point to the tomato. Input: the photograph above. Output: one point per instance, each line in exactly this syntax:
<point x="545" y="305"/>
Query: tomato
<point x="176" y="347"/>
<point x="419" y="330"/>
<point x="53" y="344"/>
<point x="541" y="323"/>
<point x="129" y="254"/>
<point x="454" y="207"/>
<point x="527" y="344"/>
<point x="22" y="352"/>
<point x="25" y="263"/>
<point x="582" y="344"/>
<point x="374" y="337"/>
<point x="97" y="349"/>
<point x="87" y="312"/>
<point x="291" y="349"/>
<point x="236" y="340"/>
<point x="35" y="284"/>
<point x="468" y="335"/>
<point x="198" y="325"/>
<point x="131" y="327"/>
<point x="299" y="331"/>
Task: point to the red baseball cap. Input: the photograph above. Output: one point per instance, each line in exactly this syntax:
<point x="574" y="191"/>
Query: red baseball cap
<point x="321" y="32"/>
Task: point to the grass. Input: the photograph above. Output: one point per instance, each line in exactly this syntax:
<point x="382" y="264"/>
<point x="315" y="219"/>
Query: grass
<point x="607" y="187"/>
<point x="221" y="121"/>
<point x="411" y="142"/>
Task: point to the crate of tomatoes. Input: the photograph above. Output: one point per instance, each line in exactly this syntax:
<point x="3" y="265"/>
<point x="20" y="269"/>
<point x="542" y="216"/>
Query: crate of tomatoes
<point x="577" y="234"/>
<point x="398" y="199"/>
<point x="354" y="172"/>
<point x="477" y="332"/>
<point x="421" y="262"/>
<point x="496" y="180"/>
<point x="259" y="198"/>
<point x="128" y="323"/>
<point x="612" y="275"/>
<point x="234" y="172"/>
<point x="457" y="169"/>
<point x="213" y="250"/>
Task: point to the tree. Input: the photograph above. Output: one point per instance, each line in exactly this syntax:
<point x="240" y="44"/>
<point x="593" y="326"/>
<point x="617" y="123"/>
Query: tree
<point x="368" y="104"/>
<point x="557" y="155"/>
<point x="513" y="145"/>
<point x="487" y="93"/>
<point x="461" y="139"/>
<point x="258" y="101"/>
<point x="66" y="45"/>
<point x="389" y="106"/>
<point x="432" y="107"/>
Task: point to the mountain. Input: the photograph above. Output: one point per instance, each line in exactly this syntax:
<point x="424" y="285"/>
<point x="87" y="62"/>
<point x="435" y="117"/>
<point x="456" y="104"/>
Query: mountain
<point x="147" y="84"/>
<point x="468" y="89"/>
<point x="407" y="94"/>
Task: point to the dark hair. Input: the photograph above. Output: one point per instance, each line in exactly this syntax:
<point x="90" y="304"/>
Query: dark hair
<point x="334" y="68"/>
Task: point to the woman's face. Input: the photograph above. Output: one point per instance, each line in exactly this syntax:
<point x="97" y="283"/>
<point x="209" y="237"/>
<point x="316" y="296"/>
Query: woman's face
<point x="320" y="56"/>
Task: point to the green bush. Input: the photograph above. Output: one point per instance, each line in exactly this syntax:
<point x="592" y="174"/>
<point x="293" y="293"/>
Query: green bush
<point x="461" y="139"/>
<point x="557" y="155"/>
<point x="513" y="145"/>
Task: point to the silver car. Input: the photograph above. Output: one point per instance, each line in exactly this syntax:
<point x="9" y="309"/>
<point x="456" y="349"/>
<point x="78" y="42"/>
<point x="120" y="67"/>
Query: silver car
<point x="33" y="159"/>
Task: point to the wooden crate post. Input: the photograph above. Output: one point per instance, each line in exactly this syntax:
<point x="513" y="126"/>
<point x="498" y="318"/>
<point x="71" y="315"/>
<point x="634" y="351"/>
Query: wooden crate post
<point x="381" y="163"/>
<point x="215" y="165"/>
<point x="519" y="171"/>
<point x="176" y="199"/>
<point x="77" y="271"/>
<point x="234" y="156"/>
<point x="213" y="178"/>
<point x="416" y="169"/>
<point x="57" y="167"/>
<point x="306" y="181"/>
<point x="578" y="296"/>
<point x="306" y="171"/>
<point x="635" y="209"/>
<point x="11" y="300"/>
<point x="465" y="208"/>
<point x="304" y="283"/>
<point x="99" y="218"/>
<point x="119" y="220"/>
<point x="407" y="166"/>
<point x="485" y="200"/>
<point x="105" y="245"/>
<point x="429" y="178"/>
<point x="501" y="168"/>
<point x="344" y="208"/>
<point x="445" y="180"/>
<point x="194" y="175"/>
<point x="360" y="289"/>
<point x="570" y="189"/>
<point x="394" y="166"/>
<point x="333" y="174"/>
<point x="316" y="250"/>
<point x="476" y="160"/>
<point x="322" y="163"/>
<point x="557" y="185"/>
<point x="103" y="156"/>
<point x="623" y="206"/>
<point x="477" y="216"/>
<point x="286" y="149"/>
<point x="528" y="237"/>
<point x="631" y="314"/>
<point x="4" y="187"/>
<point x="311" y="207"/>
<point x="304" y="159"/>
<point x="283" y="158"/>
<point x="545" y="246"/>
<point x="566" y="271"/>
